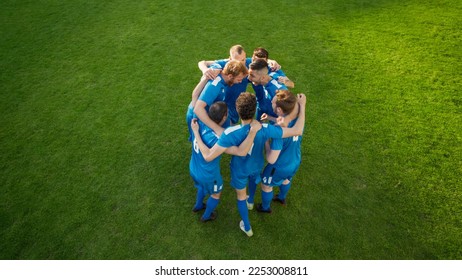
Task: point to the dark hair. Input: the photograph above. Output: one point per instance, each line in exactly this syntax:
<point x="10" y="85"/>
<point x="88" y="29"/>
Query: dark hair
<point x="246" y="105"/>
<point x="261" y="53"/>
<point x="217" y="111"/>
<point x="258" y="64"/>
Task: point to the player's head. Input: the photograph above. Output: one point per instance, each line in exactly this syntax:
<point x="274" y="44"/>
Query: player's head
<point x="234" y="72"/>
<point x="260" y="53"/>
<point x="218" y="112"/>
<point x="246" y="106"/>
<point x="258" y="71"/>
<point x="237" y="52"/>
<point x="284" y="102"/>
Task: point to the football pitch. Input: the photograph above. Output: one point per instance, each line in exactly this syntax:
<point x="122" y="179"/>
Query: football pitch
<point x="94" y="154"/>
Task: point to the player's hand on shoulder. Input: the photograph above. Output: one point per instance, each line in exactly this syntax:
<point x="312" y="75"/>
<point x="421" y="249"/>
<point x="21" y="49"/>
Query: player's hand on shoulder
<point x="211" y="73"/>
<point x="274" y="65"/>
<point x="301" y="98"/>
<point x="264" y="117"/>
<point x="194" y="125"/>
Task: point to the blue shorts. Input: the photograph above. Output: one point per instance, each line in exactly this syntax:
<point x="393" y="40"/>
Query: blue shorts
<point x="240" y="182"/>
<point x="272" y="176"/>
<point x="208" y="186"/>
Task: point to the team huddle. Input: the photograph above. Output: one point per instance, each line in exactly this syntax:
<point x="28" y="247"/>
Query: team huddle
<point x="224" y="118"/>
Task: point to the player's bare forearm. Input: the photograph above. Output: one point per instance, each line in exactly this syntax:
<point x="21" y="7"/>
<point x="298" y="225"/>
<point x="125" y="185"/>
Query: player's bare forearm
<point x="197" y="90"/>
<point x="201" y="113"/>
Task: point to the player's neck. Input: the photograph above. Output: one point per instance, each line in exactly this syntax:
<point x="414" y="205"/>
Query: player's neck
<point x="294" y="114"/>
<point x="266" y="80"/>
<point x="245" y="122"/>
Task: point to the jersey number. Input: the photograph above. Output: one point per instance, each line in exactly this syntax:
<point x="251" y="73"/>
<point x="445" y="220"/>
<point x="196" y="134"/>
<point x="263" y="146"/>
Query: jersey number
<point x="195" y="146"/>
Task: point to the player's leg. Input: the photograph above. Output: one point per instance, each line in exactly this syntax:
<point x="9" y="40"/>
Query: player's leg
<point x="251" y="197"/>
<point x="266" y="197"/>
<point x="283" y="190"/>
<point x="212" y="203"/>
<point x="200" y="195"/>
<point x="214" y="189"/>
<point x="239" y="183"/>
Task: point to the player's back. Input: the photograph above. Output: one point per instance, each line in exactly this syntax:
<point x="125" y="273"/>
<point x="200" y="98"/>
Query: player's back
<point x="290" y="154"/>
<point x="198" y="166"/>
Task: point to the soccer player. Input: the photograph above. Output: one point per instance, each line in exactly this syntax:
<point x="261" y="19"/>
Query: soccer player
<point x="206" y="175"/>
<point x="210" y="69"/>
<point x="265" y="87"/>
<point x="277" y="74"/>
<point x="249" y="167"/>
<point x="233" y="73"/>
<point x="283" y="155"/>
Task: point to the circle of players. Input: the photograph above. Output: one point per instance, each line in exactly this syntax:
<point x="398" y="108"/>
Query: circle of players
<point x="224" y="118"/>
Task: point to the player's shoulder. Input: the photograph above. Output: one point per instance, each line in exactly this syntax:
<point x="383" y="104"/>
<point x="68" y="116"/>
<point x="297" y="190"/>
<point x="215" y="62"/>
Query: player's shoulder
<point x="232" y="129"/>
<point x="274" y="83"/>
<point x="216" y="82"/>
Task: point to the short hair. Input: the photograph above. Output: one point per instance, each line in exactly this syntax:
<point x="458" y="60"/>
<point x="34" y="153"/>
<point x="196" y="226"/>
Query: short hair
<point x="217" y="111"/>
<point x="261" y="53"/>
<point x="235" y="68"/>
<point x="286" y="100"/>
<point x="236" y="49"/>
<point x="246" y="105"/>
<point x="258" y="64"/>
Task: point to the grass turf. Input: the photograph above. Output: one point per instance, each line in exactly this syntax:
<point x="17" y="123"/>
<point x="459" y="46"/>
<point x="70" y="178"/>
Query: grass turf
<point x="94" y="157"/>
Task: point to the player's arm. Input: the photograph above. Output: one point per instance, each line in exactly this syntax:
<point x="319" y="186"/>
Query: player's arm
<point x="197" y="90"/>
<point x="271" y="155"/>
<point x="201" y="113"/>
<point x="266" y="117"/>
<point x="208" y="154"/>
<point x="274" y="65"/>
<point x="297" y="129"/>
<point x="246" y="145"/>
<point x="286" y="81"/>
<point x="208" y="72"/>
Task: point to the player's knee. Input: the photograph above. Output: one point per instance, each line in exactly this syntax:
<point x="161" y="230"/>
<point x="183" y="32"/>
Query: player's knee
<point x="266" y="188"/>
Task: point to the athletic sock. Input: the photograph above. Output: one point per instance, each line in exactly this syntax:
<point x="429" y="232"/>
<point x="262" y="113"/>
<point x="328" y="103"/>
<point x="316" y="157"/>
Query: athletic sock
<point x="283" y="190"/>
<point x="199" y="199"/>
<point x="266" y="198"/>
<point x="252" y="190"/>
<point x="211" y="205"/>
<point x="244" y="212"/>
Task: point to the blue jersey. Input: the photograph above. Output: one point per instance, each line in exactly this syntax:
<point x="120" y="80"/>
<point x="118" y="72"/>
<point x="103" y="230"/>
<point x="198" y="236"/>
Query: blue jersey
<point x="290" y="155"/>
<point x="233" y="92"/>
<point x="265" y="95"/>
<point x="201" y="170"/>
<point x="213" y="91"/>
<point x="276" y="74"/>
<point x="253" y="161"/>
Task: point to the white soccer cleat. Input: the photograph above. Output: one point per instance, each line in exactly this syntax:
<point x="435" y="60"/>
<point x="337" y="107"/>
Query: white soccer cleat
<point x="249" y="232"/>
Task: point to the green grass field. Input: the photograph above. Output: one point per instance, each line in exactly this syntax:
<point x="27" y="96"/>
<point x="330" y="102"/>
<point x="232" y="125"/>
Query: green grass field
<point x="93" y="141"/>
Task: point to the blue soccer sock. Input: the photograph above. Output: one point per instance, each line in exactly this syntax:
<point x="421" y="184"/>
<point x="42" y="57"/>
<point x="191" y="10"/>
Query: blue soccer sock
<point x="252" y="190"/>
<point x="283" y="190"/>
<point x="266" y="198"/>
<point x="199" y="199"/>
<point x="244" y="212"/>
<point x="211" y="205"/>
